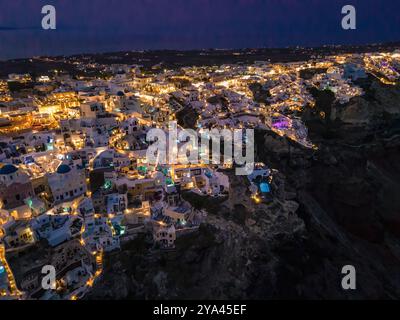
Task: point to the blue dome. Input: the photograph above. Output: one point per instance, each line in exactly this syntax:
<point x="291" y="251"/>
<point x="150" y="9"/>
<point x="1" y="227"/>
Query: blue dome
<point x="8" y="169"/>
<point x="120" y="93"/>
<point x="63" y="169"/>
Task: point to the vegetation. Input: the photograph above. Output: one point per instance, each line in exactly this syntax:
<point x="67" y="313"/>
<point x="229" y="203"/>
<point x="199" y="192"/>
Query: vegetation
<point x="211" y="205"/>
<point x="308" y="74"/>
<point x="187" y="118"/>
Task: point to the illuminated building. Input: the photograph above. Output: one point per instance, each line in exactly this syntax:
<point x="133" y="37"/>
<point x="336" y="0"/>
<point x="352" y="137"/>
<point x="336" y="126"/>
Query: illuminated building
<point x="57" y="102"/>
<point x="67" y="183"/>
<point x="15" y="187"/>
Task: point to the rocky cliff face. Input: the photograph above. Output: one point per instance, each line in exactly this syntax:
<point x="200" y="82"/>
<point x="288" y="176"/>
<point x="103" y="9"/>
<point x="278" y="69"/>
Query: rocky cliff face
<point x="334" y="206"/>
<point x="224" y="260"/>
<point x="349" y="194"/>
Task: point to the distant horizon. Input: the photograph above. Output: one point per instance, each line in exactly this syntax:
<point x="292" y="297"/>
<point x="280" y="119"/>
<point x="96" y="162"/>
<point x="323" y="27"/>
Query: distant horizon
<point x="126" y="25"/>
<point x="374" y="44"/>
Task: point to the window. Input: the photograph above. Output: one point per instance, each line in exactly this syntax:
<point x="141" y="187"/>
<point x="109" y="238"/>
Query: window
<point x="18" y="197"/>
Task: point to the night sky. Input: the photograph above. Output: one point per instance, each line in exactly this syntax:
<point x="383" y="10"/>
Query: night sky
<point x="112" y="25"/>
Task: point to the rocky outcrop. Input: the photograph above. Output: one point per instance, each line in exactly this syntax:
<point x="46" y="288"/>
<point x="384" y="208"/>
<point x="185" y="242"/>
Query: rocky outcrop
<point x="357" y="112"/>
<point x="335" y="206"/>
<point x="227" y="259"/>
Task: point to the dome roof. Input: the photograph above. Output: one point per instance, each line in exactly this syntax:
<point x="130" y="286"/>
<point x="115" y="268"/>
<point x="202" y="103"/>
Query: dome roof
<point x="120" y="93"/>
<point x="8" y="169"/>
<point x="63" y="169"/>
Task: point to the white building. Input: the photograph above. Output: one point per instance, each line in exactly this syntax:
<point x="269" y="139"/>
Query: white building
<point x="117" y="203"/>
<point x="67" y="183"/>
<point x="165" y="236"/>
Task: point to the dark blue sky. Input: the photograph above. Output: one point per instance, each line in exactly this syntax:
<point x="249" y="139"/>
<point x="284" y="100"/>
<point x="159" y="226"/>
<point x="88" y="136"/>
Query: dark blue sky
<point x="110" y="25"/>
